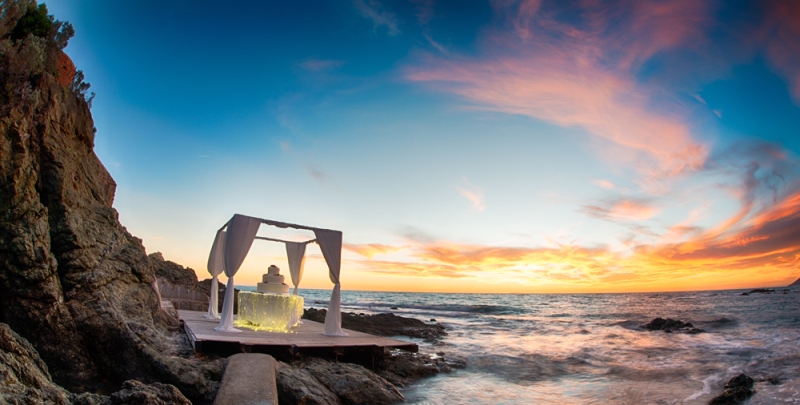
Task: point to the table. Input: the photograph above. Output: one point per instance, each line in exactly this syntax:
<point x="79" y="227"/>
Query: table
<point x="269" y="312"/>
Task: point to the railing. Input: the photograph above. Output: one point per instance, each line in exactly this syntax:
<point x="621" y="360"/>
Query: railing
<point x="182" y="297"/>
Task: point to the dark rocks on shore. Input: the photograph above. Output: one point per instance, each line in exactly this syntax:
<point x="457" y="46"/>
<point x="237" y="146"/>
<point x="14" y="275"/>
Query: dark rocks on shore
<point x="25" y="378"/>
<point x="402" y="368"/>
<point x="387" y="324"/>
<point x="737" y="390"/>
<point x="672" y="325"/>
<point x="317" y="381"/>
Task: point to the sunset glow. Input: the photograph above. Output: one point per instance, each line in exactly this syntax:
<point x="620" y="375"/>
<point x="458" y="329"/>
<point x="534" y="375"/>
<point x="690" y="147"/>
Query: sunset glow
<point x="510" y="146"/>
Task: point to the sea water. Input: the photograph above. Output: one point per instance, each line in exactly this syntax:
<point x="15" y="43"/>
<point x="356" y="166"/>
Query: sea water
<point x="591" y="348"/>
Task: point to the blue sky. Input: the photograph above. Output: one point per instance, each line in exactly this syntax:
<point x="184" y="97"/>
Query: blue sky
<point x="460" y="146"/>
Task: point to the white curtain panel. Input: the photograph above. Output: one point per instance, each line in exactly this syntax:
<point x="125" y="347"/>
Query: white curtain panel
<point x="240" y="235"/>
<point x="215" y="267"/>
<point x="330" y="243"/>
<point x="296" y="252"/>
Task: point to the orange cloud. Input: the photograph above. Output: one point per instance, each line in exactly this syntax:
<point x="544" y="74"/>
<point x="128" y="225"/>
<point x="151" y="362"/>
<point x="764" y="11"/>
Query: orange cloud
<point x="372" y="249"/>
<point x="581" y="75"/>
<point x="765" y="252"/>
<point x="622" y="210"/>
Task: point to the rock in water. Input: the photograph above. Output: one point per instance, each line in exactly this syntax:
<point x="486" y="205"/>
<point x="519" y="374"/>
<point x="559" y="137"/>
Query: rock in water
<point x="24" y="376"/>
<point x="737" y="390"/>
<point x="672" y="325"/>
<point x="386" y="324"/>
<point x="74" y="282"/>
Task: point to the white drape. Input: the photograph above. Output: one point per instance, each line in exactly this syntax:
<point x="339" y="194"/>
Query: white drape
<point x="215" y="266"/>
<point x="296" y="252"/>
<point x="239" y="238"/>
<point x="330" y="243"/>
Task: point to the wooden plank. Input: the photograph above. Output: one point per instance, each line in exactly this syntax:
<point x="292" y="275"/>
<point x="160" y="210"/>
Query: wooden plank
<point x="304" y="336"/>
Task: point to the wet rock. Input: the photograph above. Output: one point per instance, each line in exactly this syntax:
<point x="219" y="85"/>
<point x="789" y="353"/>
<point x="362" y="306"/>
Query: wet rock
<point x="737" y="390"/>
<point x="402" y="368"/>
<point x="136" y="393"/>
<point x="672" y="325"/>
<point x="24" y="378"/>
<point x="744" y="293"/>
<point x="298" y="386"/>
<point x="353" y="384"/>
<point x="762" y="291"/>
<point x="387" y="324"/>
<point x="75" y="283"/>
<point x="318" y="381"/>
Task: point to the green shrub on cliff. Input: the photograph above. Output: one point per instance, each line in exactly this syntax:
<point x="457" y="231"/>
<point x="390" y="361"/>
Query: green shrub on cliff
<point x="31" y="41"/>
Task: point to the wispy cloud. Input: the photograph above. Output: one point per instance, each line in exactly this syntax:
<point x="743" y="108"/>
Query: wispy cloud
<point x="317" y="174"/>
<point x="316" y="65"/>
<point x="473" y="194"/>
<point x="764" y="252"/>
<point x="605" y="184"/>
<point x="374" y="11"/>
<point x="781" y="30"/>
<point x="424" y="11"/>
<point x="584" y="75"/>
<point x="371" y="249"/>
<point x="626" y="209"/>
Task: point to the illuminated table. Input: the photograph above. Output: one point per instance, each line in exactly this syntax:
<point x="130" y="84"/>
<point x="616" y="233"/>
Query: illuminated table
<point x="269" y="312"/>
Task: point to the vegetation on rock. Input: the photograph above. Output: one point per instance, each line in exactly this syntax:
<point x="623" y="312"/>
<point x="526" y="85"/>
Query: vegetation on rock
<point x="31" y="42"/>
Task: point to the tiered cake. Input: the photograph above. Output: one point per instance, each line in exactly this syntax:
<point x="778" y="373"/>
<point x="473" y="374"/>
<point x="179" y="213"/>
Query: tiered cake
<point x="273" y="282"/>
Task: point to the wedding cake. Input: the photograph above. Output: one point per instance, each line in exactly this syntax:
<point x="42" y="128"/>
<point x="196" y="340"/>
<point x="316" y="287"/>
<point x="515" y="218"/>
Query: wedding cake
<point x="272" y="282"/>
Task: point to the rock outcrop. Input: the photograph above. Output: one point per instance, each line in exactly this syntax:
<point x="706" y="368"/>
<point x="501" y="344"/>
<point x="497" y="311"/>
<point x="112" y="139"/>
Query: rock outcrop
<point x="24" y="378"/>
<point x="316" y="381"/>
<point x="672" y="325"/>
<point x="173" y="272"/>
<point x="737" y="390"/>
<point x="75" y="283"/>
<point x="795" y="284"/>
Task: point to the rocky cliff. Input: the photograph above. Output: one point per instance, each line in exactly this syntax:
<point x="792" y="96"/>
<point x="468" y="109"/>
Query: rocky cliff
<point x="796" y="283"/>
<point x="74" y="282"/>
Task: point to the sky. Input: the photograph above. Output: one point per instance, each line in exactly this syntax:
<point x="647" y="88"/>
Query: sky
<point x="461" y="146"/>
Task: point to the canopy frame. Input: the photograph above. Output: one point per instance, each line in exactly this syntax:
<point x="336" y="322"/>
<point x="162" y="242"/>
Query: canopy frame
<point x="241" y="230"/>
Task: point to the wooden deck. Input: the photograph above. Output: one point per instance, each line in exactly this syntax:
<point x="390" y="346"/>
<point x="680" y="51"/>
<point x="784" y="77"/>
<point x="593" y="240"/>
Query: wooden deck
<point x="307" y="337"/>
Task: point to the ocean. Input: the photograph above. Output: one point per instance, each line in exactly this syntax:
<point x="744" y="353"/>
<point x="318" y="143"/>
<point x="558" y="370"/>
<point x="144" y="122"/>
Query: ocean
<point x="591" y="349"/>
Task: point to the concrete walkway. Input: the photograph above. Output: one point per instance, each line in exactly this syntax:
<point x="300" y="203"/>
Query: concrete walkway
<point x="249" y="379"/>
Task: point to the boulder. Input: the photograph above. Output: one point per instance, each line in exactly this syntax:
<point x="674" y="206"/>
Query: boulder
<point x="137" y="393"/>
<point x="24" y="378"/>
<point x="672" y="325"/>
<point x="352" y="383"/>
<point x="401" y="368"/>
<point x="298" y="386"/>
<point x="249" y="380"/>
<point x="737" y="390"/>
<point x="386" y="324"/>
<point x="75" y="283"/>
